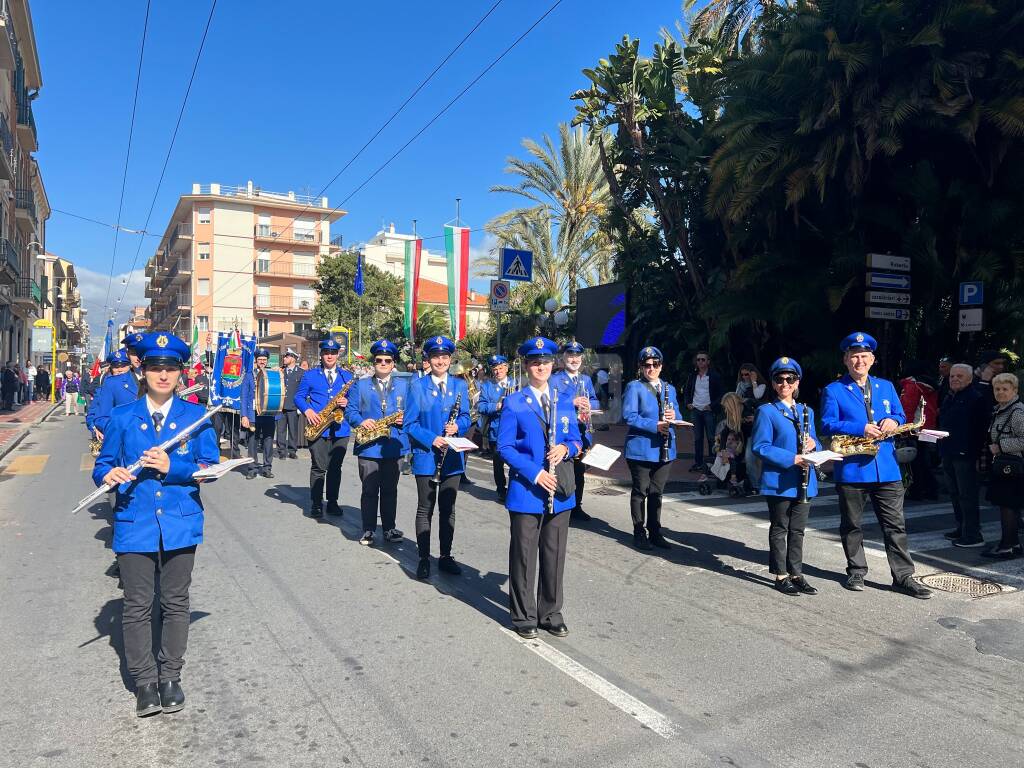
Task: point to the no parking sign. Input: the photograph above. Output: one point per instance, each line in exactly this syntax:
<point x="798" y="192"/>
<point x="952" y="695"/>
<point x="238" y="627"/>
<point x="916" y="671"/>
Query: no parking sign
<point x="500" y="292"/>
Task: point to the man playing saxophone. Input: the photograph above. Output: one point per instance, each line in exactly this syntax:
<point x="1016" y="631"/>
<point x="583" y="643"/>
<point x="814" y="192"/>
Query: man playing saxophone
<point x="375" y="413"/>
<point x="319" y="386"/>
<point x="861" y="405"/>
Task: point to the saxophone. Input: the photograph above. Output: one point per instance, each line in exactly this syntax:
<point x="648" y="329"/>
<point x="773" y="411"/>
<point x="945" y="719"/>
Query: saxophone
<point x="848" y="445"/>
<point x="381" y="427"/>
<point x="332" y="413"/>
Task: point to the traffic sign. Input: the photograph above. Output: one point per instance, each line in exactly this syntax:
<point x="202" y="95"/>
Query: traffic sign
<point x="970" y="320"/>
<point x="888" y="262"/>
<point x="516" y="264"/>
<point x="886" y="313"/>
<point x="500" y="293"/>
<point x="972" y="293"/>
<point x="887" y="297"/>
<point x="888" y="281"/>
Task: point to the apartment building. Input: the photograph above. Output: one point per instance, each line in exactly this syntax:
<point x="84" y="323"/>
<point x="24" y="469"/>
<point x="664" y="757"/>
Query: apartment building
<point x="238" y="257"/>
<point x="24" y="208"/>
<point x="63" y="308"/>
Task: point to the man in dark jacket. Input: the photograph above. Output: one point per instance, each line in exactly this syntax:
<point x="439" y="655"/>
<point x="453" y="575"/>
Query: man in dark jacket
<point x="964" y="414"/>
<point x="703" y="396"/>
<point x="8" y="386"/>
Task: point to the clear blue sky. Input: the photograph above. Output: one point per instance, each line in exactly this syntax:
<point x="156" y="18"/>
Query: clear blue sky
<point x="286" y="93"/>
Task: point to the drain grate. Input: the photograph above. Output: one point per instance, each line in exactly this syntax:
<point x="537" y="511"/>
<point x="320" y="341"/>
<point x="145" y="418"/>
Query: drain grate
<point x="607" y="490"/>
<point x="961" y="584"/>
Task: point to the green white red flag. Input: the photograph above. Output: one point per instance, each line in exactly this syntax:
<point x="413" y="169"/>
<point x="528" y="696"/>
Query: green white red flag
<point x="413" y="249"/>
<point x="456" y="250"/>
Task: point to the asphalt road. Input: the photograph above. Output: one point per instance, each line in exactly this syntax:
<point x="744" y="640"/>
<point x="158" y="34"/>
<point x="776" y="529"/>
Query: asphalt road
<point x="309" y="650"/>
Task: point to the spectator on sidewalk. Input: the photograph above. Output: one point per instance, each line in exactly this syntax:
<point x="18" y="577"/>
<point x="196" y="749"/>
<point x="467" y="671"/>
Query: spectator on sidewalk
<point x="58" y="386"/>
<point x="702" y="395"/>
<point x="991" y="362"/>
<point x="1006" y="479"/>
<point x="601" y="385"/>
<point x="30" y="374"/>
<point x="22" y="384"/>
<point x="85" y="388"/>
<point x="72" y="384"/>
<point x="945" y="364"/>
<point x="964" y="414"/>
<point x="8" y="386"/>
<point x="43" y="383"/>
<point x="913" y="388"/>
<point x="752" y="388"/>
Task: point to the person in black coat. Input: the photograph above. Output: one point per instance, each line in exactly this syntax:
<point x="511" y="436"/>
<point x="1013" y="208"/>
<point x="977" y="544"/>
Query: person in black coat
<point x="964" y="414"/>
<point x="8" y="386"/>
<point x="42" y="383"/>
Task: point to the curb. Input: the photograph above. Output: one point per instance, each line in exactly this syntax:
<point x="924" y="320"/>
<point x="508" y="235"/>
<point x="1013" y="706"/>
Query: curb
<point x="23" y="432"/>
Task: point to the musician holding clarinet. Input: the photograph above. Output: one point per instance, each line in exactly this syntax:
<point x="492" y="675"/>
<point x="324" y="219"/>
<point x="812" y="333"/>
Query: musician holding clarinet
<point x="537" y="433"/>
<point x="577" y="387"/>
<point x="783" y="431"/>
<point x="438" y="408"/>
<point x="158" y="517"/>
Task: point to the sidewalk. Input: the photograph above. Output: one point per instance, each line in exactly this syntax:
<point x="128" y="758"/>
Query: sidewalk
<point x="14" y="425"/>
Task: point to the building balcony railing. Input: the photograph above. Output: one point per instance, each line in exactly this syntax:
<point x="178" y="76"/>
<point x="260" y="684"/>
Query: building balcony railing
<point x="286" y="234"/>
<point x="28" y="291"/>
<point x="338" y="241"/>
<point x="6" y="145"/>
<point x="306" y="271"/>
<point x="180" y="237"/>
<point x="181" y="269"/>
<point x="9" y="256"/>
<point x="253" y="192"/>
<point x="25" y="207"/>
<point x="276" y="305"/>
<point x="27" y="123"/>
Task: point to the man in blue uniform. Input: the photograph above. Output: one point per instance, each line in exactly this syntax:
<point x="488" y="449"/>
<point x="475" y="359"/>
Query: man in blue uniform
<point x="492" y="396"/>
<point x="318" y="387"/>
<point x="132" y="341"/>
<point x="432" y="401"/>
<point x="288" y="424"/>
<point x="373" y="398"/>
<point x="119" y="387"/>
<point x="260" y="428"/>
<point x="580" y="389"/>
<point x="861" y="405"/>
<point x="532" y="446"/>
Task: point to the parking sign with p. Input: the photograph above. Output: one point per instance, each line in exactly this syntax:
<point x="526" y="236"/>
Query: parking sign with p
<point x="972" y="294"/>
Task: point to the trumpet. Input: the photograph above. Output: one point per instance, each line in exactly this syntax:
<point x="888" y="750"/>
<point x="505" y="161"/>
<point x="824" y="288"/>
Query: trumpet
<point x="848" y="445"/>
<point x="332" y="413"/>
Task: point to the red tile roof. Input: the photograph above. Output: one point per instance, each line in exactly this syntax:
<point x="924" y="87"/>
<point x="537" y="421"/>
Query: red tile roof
<point x="437" y="293"/>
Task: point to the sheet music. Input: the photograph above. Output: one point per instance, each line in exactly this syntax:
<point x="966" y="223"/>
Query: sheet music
<point x="460" y="444"/>
<point x="817" y="458"/>
<point x="215" y="471"/>
<point x="601" y="457"/>
<point x="931" y="435"/>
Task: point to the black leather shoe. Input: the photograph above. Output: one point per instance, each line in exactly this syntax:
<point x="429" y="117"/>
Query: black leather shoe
<point x="660" y="541"/>
<point x="952" y="535"/>
<point x="172" y="698"/>
<point x="527" y="633"/>
<point x="293" y="455"/>
<point x="316" y="512"/>
<point x="580" y="516"/>
<point x="854" y="582"/>
<point x="333" y="509"/>
<point x="801" y="583"/>
<point x="910" y="587"/>
<point x="786" y="586"/>
<point x="268" y="474"/>
<point x="423" y="569"/>
<point x="147" y="700"/>
<point x="448" y="565"/>
<point x="640" y="540"/>
<point x="250" y="475"/>
<point x="1003" y="553"/>
<point x="558" y="630"/>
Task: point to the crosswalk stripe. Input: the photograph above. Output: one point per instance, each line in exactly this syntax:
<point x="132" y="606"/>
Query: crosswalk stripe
<point x="833" y="521"/>
<point x="27" y="465"/>
<point x="925" y="542"/>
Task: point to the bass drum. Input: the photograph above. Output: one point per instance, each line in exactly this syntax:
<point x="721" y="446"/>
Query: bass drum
<point x="270" y="393"/>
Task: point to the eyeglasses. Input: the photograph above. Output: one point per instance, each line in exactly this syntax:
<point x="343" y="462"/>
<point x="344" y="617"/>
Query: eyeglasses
<point x="382" y="361"/>
<point x="702" y="359"/>
<point x="654" y="364"/>
<point x="785" y="379"/>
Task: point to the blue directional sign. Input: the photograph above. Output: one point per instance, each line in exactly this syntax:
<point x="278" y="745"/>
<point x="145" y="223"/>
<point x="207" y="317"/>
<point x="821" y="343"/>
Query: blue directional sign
<point x="972" y="293"/>
<point x="888" y="281"/>
<point x="516" y="264"/>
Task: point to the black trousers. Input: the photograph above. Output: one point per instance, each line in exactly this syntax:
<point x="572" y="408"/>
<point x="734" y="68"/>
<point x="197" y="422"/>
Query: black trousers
<point x="380" y="481"/>
<point x="649" y="478"/>
<point x="962" y="482"/>
<point x="924" y="485"/>
<point x="326" y="454"/>
<point x="786" y="535"/>
<point x="498" y="465"/>
<point x="261" y="444"/>
<point x="887" y="499"/>
<point x="444" y="495"/>
<point x="287" y="432"/>
<point x="533" y="603"/>
<point x="579" y="469"/>
<point x="138" y="575"/>
<point x="703" y="434"/>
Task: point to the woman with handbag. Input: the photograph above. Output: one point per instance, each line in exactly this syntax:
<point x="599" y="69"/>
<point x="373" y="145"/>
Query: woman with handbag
<point x="1006" y="478"/>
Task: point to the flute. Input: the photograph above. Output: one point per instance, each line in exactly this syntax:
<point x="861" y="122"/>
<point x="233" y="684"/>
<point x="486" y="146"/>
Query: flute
<point x="168" y="443"/>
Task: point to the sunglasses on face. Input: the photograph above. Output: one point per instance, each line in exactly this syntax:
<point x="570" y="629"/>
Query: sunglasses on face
<point x="785" y="379"/>
<point x="655" y="364"/>
<point x="382" y="361"/>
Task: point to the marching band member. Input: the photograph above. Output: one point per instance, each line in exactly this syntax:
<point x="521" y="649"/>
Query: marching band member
<point x="492" y="393"/>
<point x="532" y="447"/>
<point x="317" y="388"/>
<point x="158" y="519"/>
<point x="132" y="341"/>
<point x="580" y="389"/>
<point x="261" y="428"/>
<point x="777" y="427"/>
<point x="118" y="388"/>
<point x="288" y="425"/>
<point x="373" y="398"/>
<point x="431" y="402"/>
<point x="860" y="405"/>
<point x="648" y="404"/>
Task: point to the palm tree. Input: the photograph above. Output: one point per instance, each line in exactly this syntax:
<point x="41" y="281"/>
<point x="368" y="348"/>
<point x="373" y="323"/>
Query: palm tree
<point x="431" y="320"/>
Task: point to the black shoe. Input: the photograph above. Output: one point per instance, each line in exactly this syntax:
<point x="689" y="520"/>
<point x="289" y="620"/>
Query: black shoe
<point x="333" y="509"/>
<point x="501" y="496"/>
<point x="267" y="474"/>
<point x="527" y="633"/>
<point x="910" y="587"/>
<point x="1003" y="553"/>
<point x="659" y="541"/>
<point x="558" y="630"/>
<point x="580" y="516"/>
<point x="172" y="698"/>
<point x="640" y="539"/>
<point x="280" y="454"/>
<point x="786" y="586"/>
<point x="147" y="700"/>
<point x="316" y="512"/>
<point x="697" y="468"/>
<point x="465" y="480"/>
<point x="965" y="543"/>
<point x="423" y="569"/>
<point x="293" y="455"/>
<point x="854" y="582"/>
<point x="448" y="565"/>
<point x="250" y="475"/>
<point x="801" y="583"/>
<point x="952" y="535"/>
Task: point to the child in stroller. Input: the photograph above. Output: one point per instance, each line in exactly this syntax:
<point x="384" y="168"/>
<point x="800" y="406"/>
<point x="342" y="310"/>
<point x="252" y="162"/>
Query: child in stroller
<point x="729" y="469"/>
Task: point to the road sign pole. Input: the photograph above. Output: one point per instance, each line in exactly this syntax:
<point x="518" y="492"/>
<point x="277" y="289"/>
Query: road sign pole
<point x="498" y="343"/>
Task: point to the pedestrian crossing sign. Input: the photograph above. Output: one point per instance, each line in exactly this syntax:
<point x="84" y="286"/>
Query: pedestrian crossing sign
<point x="516" y="264"/>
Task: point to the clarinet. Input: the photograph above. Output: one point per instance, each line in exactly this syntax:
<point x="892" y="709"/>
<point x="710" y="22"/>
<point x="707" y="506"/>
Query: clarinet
<point x="551" y="444"/>
<point x="663" y="456"/>
<point x="801" y="435"/>
<point x="453" y="414"/>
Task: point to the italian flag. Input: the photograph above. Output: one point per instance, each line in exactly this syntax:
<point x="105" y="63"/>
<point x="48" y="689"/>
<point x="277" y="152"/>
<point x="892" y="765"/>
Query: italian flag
<point x="194" y="351"/>
<point x="413" y="249"/>
<point x="456" y="249"/>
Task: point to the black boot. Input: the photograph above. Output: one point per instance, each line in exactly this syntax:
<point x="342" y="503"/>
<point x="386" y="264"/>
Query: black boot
<point x="147" y="700"/>
<point x="333" y="509"/>
<point x="640" y="540"/>
<point x="172" y="698"/>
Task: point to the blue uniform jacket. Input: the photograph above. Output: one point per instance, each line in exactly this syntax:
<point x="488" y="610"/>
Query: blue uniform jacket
<point x="115" y="391"/>
<point x="248" y="398"/>
<point x="775" y="440"/>
<point x="425" y="420"/>
<point x="314" y="393"/>
<point x="487" y="406"/>
<point x="640" y="412"/>
<point x="563" y="381"/>
<point x="364" y="403"/>
<point x="521" y="445"/>
<point x="154" y="508"/>
<point x="843" y="413"/>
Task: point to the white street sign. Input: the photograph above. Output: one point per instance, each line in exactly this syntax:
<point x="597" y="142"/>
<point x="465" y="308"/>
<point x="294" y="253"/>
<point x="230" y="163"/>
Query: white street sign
<point x="970" y="320"/>
<point x="888" y="280"/>
<point x="887" y="262"/>
<point x="500" y="292"/>
<point x="886" y="313"/>
<point x="886" y="297"/>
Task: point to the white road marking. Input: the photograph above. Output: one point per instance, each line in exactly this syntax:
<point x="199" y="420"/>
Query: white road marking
<point x="833" y="521"/>
<point x="611" y="693"/>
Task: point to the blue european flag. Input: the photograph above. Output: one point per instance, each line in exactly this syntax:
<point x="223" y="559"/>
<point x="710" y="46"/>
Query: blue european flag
<point x="359" y="287"/>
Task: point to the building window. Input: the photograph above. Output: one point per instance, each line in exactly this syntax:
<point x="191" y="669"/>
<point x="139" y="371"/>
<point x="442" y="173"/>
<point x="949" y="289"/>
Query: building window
<point x="203" y="322"/>
<point x="204" y="215"/>
<point x="203" y="251"/>
<point x="263" y="260"/>
<point x="305" y="230"/>
<point x="203" y="286"/>
<point x="301" y="329"/>
<point x="263" y="227"/>
<point x="262" y="327"/>
<point x="303" y="265"/>
<point x="303" y="298"/>
<point x="263" y="295"/>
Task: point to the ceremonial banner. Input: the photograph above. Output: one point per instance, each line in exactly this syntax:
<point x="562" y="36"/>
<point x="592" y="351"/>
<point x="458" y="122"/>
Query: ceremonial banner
<point x="456" y="250"/>
<point x="413" y="249"/>
<point x="235" y="356"/>
<point x="108" y="347"/>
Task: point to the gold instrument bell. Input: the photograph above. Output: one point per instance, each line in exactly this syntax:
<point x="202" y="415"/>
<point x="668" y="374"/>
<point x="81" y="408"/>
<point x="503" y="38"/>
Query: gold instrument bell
<point x="848" y="445"/>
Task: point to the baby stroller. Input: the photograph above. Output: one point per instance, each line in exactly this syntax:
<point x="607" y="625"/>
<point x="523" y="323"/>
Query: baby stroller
<point x="729" y="469"/>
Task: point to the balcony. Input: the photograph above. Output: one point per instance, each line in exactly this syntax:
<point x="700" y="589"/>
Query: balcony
<point x="25" y="209"/>
<point x="27" y="291"/>
<point x="7" y="44"/>
<point x="10" y="264"/>
<point x="26" y="123"/>
<point x="275" y="305"/>
<point x="291" y="235"/>
<point x="180" y="238"/>
<point x="180" y="271"/>
<point x="6" y="143"/>
<point x="273" y="269"/>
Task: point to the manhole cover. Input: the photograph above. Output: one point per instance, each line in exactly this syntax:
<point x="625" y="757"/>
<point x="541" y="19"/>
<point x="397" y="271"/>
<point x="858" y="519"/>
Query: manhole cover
<point x="607" y="490"/>
<point x="961" y="584"/>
